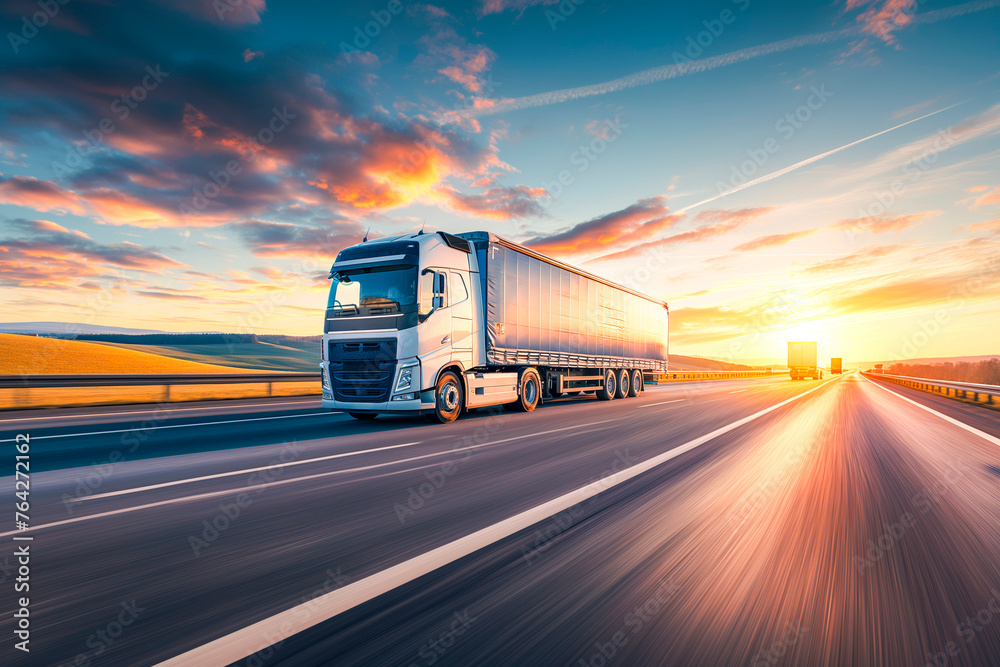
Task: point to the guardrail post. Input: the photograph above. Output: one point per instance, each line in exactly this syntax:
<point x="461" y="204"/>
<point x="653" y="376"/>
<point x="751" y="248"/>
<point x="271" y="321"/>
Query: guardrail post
<point x="270" y="389"/>
<point x="166" y="393"/>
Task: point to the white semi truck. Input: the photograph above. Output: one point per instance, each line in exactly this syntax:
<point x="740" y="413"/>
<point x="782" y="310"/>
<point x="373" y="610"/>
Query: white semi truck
<point x="437" y="324"/>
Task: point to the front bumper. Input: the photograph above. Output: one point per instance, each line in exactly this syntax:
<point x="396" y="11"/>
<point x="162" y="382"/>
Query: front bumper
<point x="383" y="407"/>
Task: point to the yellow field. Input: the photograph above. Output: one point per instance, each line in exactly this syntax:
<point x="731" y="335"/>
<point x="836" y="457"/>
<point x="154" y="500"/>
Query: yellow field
<point x="28" y="355"/>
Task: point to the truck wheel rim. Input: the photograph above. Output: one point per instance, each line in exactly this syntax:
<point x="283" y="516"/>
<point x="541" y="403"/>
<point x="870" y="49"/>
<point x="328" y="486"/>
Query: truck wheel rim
<point x="530" y="391"/>
<point x="449" y="397"/>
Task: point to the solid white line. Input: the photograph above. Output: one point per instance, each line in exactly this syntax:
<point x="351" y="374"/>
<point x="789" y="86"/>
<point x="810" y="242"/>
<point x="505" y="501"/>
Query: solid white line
<point x="156" y="428"/>
<point x="649" y="405"/>
<point x="147" y="411"/>
<point x="201" y="496"/>
<point x="970" y="429"/>
<point x="246" y="641"/>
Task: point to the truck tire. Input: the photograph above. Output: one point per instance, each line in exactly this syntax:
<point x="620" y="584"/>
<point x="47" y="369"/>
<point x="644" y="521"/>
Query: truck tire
<point x="636" y="386"/>
<point x="529" y="392"/>
<point x="610" y="388"/>
<point x="364" y="416"/>
<point x="449" y="398"/>
<point x="624" y="380"/>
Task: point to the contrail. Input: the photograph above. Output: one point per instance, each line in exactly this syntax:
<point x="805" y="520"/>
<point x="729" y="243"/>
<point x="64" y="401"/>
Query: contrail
<point x="665" y="72"/>
<point x="807" y="161"/>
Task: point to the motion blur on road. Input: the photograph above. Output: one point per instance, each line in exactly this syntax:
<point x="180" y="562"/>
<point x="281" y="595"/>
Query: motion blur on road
<point x="849" y="526"/>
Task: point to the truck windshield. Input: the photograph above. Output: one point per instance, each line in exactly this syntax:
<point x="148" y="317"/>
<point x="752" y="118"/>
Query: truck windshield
<point x="381" y="290"/>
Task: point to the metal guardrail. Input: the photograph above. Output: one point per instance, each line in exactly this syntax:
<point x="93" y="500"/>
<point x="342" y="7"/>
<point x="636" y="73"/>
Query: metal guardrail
<point x="966" y="390"/>
<point x="681" y="376"/>
<point x="40" y="381"/>
<point x="34" y="391"/>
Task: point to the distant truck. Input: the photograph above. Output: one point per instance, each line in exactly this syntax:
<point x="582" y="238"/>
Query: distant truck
<point x="807" y="359"/>
<point x="436" y="324"/>
<point x="836" y="365"/>
<point x="879" y="368"/>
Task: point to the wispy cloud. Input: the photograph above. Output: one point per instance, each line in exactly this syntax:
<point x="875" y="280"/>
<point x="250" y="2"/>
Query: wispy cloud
<point x="665" y="72"/>
<point x="806" y="162"/>
<point x="774" y="240"/>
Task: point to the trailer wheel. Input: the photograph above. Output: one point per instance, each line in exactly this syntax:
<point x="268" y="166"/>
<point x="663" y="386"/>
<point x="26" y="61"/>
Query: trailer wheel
<point x="624" y="381"/>
<point x="610" y="388"/>
<point x="529" y="392"/>
<point x="448" y="399"/>
<point x="364" y="416"/>
<point x="636" y="386"/>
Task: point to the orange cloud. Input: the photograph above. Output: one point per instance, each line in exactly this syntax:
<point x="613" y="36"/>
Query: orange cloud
<point x="637" y="222"/>
<point x="497" y="203"/>
<point x="773" y="240"/>
<point x="989" y="197"/>
<point x="39" y="195"/>
<point x="854" y="260"/>
<point x="882" y="224"/>
<point x="725" y="221"/>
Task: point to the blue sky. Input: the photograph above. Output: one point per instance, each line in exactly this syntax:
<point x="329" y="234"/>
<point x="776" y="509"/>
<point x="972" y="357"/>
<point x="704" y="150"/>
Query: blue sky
<point x="451" y="115"/>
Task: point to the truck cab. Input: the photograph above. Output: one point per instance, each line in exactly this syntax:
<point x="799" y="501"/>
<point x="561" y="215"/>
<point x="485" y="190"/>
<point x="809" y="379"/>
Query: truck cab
<point x="400" y="310"/>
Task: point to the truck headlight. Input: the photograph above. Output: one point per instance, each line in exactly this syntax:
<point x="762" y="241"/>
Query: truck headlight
<point x="325" y="382"/>
<point x="405" y="379"/>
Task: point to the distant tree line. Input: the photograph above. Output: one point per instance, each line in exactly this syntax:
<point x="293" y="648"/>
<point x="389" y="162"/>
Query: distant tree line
<point x="980" y="372"/>
<point x="172" y="339"/>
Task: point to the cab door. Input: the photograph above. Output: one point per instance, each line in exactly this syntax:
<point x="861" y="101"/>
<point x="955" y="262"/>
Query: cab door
<point x="435" y="329"/>
<point x="461" y="317"/>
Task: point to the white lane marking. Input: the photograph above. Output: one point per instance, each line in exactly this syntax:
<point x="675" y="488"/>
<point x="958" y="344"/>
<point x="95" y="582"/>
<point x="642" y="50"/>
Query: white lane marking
<point x="246" y="641"/>
<point x="240" y="472"/>
<point x="244" y="489"/>
<point x="83" y="415"/>
<point x="970" y="429"/>
<point x="155" y="428"/>
<point x="737" y="391"/>
<point x="649" y="405"/>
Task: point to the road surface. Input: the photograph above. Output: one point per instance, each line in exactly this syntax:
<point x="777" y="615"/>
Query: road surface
<point x="778" y="523"/>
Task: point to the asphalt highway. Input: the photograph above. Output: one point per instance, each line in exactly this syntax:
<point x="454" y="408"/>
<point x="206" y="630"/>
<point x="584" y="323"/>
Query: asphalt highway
<point x="749" y="522"/>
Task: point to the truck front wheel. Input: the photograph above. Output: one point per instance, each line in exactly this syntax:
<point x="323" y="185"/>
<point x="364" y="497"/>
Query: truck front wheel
<point x="448" y="399"/>
<point x="610" y="388"/>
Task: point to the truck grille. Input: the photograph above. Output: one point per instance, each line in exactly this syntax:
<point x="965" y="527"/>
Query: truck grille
<point x="362" y="371"/>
